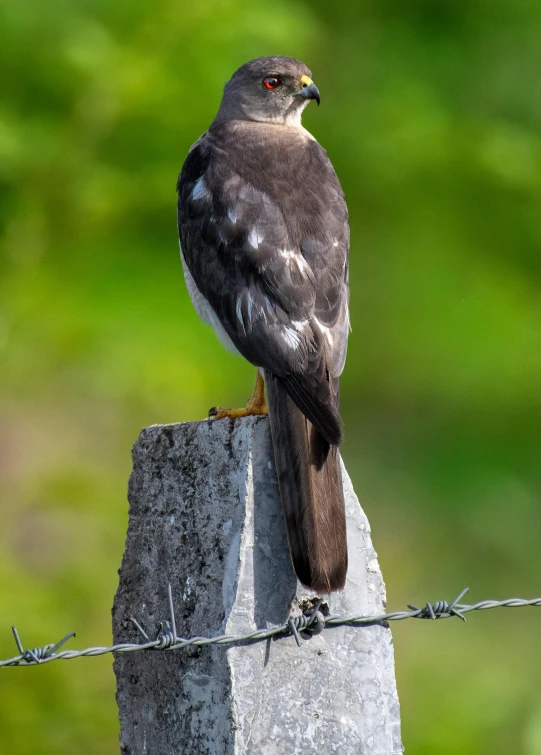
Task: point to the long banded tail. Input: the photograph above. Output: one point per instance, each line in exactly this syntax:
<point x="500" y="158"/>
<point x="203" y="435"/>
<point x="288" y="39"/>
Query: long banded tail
<point x="310" y="482"/>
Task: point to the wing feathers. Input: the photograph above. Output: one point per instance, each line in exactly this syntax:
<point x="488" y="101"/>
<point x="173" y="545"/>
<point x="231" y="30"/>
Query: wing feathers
<point x="319" y="404"/>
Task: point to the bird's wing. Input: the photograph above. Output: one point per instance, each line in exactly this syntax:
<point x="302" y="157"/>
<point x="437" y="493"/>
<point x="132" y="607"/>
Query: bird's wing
<point x="266" y="241"/>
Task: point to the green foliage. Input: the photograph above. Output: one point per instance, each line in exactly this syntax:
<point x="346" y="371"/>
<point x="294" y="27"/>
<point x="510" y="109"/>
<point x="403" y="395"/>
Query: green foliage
<point x="431" y="114"/>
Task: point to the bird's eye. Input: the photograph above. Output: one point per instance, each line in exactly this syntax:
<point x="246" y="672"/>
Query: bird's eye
<point x="271" y="82"/>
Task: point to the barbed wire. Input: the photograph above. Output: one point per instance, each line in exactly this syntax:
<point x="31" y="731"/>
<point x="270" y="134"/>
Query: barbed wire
<point x="311" y="622"/>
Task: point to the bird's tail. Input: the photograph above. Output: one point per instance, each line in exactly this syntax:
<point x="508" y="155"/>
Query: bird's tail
<point x="310" y="482"/>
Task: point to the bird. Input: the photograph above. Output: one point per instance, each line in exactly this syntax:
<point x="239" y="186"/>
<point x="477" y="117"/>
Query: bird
<point x="264" y="237"/>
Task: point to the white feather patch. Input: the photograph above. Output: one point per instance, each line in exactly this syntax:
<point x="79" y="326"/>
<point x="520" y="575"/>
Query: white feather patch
<point x="204" y="310"/>
<point x="291" y="337"/>
<point x="200" y="190"/>
<point x="291" y="256"/>
<point x="255" y="237"/>
<point x="238" y="310"/>
<point x="250" y="306"/>
<point x="326" y="332"/>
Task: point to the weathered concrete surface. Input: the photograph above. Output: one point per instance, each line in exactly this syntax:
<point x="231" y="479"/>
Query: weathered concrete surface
<point x="205" y="516"/>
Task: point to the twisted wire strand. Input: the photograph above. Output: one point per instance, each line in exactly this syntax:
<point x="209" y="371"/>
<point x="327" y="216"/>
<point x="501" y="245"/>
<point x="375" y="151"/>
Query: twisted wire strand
<point x="309" y="623"/>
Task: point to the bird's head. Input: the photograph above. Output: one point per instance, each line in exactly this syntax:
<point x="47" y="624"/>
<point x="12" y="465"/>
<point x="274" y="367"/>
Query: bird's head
<point x="270" y="90"/>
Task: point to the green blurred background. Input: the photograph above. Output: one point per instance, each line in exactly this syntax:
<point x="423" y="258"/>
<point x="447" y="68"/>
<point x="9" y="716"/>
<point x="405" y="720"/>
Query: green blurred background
<point x="431" y="114"/>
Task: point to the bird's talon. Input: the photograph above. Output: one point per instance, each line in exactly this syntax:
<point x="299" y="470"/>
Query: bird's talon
<point x="252" y="409"/>
<point x="255" y="406"/>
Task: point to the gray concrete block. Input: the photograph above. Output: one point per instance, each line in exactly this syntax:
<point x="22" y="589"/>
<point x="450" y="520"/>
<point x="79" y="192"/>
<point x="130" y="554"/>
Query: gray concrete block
<point x="205" y="517"/>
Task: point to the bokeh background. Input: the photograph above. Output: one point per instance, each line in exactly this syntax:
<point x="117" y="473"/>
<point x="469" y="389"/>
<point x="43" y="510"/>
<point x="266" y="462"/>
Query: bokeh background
<point x="431" y="114"/>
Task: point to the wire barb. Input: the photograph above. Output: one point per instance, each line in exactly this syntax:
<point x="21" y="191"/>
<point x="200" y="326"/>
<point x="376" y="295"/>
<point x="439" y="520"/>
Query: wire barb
<point x="37" y="655"/>
<point x="311" y="622"/>
<point x="440" y="610"/>
<point x="165" y="636"/>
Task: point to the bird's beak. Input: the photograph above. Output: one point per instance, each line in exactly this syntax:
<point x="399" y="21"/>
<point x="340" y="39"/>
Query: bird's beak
<point x="309" y="90"/>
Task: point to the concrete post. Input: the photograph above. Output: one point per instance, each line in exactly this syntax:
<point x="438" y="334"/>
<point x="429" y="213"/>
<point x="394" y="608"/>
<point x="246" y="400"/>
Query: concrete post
<point x="205" y="517"/>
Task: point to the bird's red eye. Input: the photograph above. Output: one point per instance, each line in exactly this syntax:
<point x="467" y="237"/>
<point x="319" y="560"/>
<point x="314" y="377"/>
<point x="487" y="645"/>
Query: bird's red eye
<point x="271" y="82"/>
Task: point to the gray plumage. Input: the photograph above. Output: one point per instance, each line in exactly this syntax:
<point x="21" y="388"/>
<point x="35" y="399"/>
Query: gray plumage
<point x="264" y="238"/>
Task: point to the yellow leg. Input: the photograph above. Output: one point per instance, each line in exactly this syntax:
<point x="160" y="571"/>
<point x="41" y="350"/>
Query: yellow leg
<point x="256" y="405"/>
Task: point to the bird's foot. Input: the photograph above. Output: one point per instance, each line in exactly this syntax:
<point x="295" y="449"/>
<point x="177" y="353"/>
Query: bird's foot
<point x="255" y="406"/>
<point x="252" y="408"/>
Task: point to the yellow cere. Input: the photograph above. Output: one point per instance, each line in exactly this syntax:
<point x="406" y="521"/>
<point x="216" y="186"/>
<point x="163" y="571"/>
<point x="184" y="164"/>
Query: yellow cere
<point x="306" y="80"/>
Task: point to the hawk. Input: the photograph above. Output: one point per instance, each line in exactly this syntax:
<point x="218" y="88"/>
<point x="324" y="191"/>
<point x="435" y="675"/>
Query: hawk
<point x="264" y="239"/>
